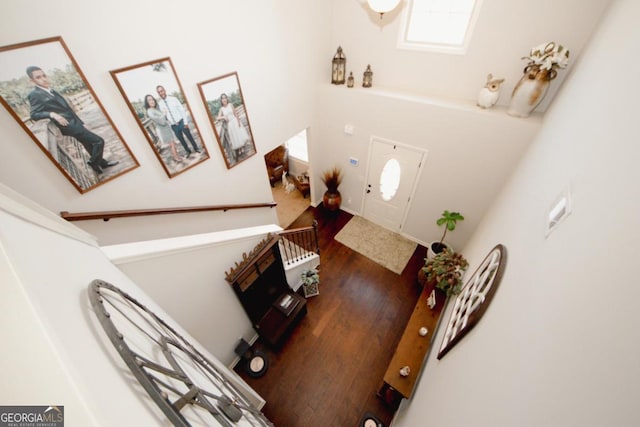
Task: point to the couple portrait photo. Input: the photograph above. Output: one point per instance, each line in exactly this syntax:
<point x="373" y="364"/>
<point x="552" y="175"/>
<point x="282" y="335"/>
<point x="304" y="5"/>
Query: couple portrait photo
<point x="156" y="99"/>
<point x="42" y="87"/>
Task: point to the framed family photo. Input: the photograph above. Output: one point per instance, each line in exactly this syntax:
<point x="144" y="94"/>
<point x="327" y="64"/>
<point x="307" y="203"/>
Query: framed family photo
<point x="156" y="99"/>
<point x="43" y="88"/>
<point x="222" y="96"/>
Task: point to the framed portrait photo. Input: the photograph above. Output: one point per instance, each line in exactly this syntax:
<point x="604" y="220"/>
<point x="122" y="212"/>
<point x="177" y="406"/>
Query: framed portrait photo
<point x="43" y="88"/>
<point x="156" y="99"/>
<point x="222" y="96"/>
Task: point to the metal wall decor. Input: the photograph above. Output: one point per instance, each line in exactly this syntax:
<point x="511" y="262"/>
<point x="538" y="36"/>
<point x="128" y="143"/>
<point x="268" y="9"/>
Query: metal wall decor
<point x="472" y="302"/>
<point x="338" y="67"/>
<point x="45" y="91"/>
<point x="186" y="386"/>
<point x="367" y="77"/>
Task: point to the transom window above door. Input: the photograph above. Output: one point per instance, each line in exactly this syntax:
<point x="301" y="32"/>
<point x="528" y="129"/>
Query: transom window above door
<point x="438" y="25"/>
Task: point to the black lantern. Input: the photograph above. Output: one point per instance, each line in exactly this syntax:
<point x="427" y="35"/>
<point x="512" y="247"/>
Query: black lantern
<point x="350" y="79"/>
<point x="367" y="78"/>
<point x="338" y="67"/>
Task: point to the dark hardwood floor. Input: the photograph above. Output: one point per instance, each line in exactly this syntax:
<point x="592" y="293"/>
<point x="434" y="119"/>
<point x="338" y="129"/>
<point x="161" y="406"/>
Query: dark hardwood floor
<point x="328" y="371"/>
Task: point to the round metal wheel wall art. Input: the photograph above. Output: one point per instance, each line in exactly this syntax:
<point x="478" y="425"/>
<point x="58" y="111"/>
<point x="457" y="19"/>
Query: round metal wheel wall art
<point x="185" y="385"/>
<point x="472" y="302"/>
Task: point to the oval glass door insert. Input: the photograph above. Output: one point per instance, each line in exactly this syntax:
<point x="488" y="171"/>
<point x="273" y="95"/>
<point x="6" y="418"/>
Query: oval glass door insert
<point x="390" y="179"/>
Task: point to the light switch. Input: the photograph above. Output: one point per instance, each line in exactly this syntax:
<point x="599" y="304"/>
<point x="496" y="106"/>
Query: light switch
<point x="348" y="129"/>
<point x="353" y="161"/>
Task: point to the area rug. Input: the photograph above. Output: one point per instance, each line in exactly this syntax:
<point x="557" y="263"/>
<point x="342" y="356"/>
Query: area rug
<point x="383" y="246"/>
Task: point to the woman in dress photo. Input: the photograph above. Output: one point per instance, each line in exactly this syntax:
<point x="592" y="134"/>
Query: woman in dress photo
<point x="163" y="127"/>
<point x="238" y="135"/>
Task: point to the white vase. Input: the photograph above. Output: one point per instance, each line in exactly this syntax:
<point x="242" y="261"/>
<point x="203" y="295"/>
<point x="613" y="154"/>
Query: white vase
<point x="530" y="91"/>
<point x="431" y="253"/>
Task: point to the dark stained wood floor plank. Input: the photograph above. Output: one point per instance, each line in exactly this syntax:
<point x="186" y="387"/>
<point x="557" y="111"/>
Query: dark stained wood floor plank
<point x="330" y="368"/>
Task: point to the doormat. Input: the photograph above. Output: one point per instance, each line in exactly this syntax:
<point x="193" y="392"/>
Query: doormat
<point x="383" y="246"/>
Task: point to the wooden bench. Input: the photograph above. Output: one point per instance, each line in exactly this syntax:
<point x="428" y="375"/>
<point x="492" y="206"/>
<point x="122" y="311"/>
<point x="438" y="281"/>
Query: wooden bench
<point x="412" y="349"/>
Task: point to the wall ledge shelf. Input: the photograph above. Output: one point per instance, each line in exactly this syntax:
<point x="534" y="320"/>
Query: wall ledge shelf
<point x="463" y="105"/>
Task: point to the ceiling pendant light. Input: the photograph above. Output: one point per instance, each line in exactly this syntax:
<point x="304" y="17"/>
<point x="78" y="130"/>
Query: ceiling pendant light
<point x="382" y="6"/>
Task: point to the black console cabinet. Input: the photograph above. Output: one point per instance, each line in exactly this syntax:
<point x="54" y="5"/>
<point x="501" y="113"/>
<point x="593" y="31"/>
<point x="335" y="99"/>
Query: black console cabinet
<point x="261" y="286"/>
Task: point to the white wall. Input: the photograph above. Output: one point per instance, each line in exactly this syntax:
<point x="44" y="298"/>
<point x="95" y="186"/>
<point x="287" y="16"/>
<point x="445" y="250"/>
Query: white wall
<point x="559" y="345"/>
<point x="504" y="32"/>
<point x="533" y="356"/>
<point x="54" y="349"/>
<point x="427" y="100"/>
<point x="282" y="52"/>
<point x="28" y="357"/>
<point x="297" y="167"/>
<point x="186" y="276"/>
<point x="204" y="39"/>
<point x="470" y="152"/>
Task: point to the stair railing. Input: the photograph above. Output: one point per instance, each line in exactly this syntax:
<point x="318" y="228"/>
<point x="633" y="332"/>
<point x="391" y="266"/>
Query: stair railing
<point x="299" y="244"/>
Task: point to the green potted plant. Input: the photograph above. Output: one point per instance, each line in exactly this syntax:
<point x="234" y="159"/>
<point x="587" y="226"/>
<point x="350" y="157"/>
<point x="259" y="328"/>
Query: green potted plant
<point x="449" y="220"/>
<point x="332" y="178"/>
<point x="446" y="270"/>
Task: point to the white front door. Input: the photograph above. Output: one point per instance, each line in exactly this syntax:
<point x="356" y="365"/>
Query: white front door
<point x="391" y="181"/>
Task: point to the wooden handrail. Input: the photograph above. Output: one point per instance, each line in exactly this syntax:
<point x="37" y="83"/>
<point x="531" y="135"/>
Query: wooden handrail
<point x="107" y="215"/>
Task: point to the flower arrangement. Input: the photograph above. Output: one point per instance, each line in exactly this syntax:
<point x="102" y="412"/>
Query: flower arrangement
<point x="548" y="56"/>
<point x="446" y="269"/>
<point x="309" y="277"/>
<point x="310" y="281"/>
<point x="544" y="62"/>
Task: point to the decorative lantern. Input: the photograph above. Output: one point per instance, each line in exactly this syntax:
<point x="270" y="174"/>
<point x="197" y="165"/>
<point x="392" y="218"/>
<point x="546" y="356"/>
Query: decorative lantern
<point x="350" y="79"/>
<point x="367" y="78"/>
<point x="338" y="67"/>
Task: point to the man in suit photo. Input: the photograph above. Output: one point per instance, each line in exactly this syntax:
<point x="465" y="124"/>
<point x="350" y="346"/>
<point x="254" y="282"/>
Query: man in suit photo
<point x="49" y="104"/>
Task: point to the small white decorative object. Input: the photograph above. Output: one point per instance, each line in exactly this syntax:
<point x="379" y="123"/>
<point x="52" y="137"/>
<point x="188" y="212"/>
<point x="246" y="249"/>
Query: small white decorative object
<point x="431" y="301"/>
<point x="490" y="93"/>
<point x="404" y="371"/>
<point x="423" y="331"/>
